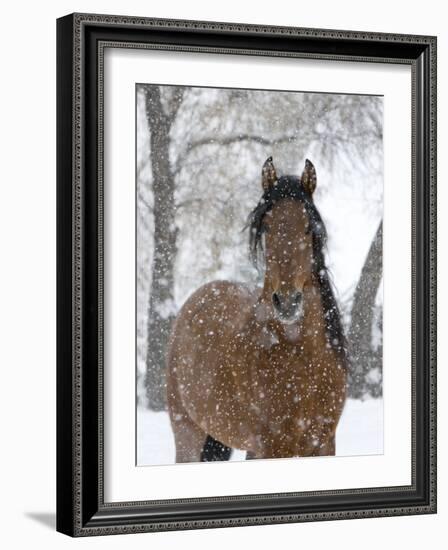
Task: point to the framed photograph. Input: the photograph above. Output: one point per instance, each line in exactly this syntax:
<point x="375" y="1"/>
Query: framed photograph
<point x="246" y="274"/>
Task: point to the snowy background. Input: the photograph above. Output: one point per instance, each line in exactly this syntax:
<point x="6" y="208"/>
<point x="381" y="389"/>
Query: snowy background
<point x="199" y="158"/>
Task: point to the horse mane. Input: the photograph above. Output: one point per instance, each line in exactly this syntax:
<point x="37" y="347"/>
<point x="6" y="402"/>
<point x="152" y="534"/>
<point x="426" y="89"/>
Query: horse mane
<point x="291" y="187"/>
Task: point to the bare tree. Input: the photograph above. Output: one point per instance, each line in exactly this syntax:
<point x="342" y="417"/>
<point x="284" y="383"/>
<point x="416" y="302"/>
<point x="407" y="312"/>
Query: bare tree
<point x="366" y="361"/>
<point x="160" y="309"/>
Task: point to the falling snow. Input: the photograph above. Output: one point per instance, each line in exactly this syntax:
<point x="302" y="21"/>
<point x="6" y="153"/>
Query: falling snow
<point x="218" y="140"/>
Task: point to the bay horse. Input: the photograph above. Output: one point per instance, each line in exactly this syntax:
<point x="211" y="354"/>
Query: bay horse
<point x="263" y="370"/>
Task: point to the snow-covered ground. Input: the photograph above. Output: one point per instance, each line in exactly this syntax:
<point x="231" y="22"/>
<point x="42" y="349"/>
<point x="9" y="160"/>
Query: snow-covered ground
<point x="360" y="432"/>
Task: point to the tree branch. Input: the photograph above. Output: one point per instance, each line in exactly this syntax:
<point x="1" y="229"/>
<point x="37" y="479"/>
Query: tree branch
<point x="176" y="102"/>
<point x="229" y="140"/>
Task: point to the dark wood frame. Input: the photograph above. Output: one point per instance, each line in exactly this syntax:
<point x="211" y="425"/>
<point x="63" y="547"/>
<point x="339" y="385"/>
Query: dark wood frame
<point x="81" y="39"/>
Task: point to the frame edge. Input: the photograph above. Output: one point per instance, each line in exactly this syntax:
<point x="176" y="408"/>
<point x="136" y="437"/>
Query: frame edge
<point x="64" y="375"/>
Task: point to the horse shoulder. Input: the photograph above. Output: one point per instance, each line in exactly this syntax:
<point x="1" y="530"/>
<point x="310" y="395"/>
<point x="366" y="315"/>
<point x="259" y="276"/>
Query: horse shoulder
<point x="208" y="322"/>
<point x="201" y="362"/>
<point x="221" y="303"/>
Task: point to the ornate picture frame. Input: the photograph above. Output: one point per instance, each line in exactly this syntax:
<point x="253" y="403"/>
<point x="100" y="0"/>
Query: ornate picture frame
<point x="81" y="43"/>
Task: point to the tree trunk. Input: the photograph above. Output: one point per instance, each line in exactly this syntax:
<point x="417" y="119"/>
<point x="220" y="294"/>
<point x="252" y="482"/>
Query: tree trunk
<point x="363" y="379"/>
<point x="161" y="300"/>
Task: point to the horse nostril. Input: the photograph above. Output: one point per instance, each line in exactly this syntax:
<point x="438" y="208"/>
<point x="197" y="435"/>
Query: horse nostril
<point x="297" y="299"/>
<point x="275" y="300"/>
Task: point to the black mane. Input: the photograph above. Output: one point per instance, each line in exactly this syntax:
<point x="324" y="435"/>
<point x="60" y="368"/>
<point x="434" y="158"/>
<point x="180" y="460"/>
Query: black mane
<point x="290" y="187"/>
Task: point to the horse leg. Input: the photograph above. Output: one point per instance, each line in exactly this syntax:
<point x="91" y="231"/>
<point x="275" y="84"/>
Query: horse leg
<point x="327" y="449"/>
<point x="188" y="437"/>
<point x="330" y="448"/>
<point x="214" y="450"/>
<point x="192" y="444"/>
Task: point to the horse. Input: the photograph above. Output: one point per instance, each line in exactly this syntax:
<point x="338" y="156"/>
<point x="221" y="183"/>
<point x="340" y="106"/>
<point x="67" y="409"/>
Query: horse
<point x="263" y="370"/>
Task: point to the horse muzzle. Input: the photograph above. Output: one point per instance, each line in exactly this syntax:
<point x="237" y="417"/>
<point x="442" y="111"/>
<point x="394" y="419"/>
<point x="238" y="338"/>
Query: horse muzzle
<point x="288" y="306"/>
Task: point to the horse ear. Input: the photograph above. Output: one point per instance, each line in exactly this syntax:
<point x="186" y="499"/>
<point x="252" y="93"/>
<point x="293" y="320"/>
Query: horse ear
<point x="309" y="178"/>
<point x="268" y="174"/>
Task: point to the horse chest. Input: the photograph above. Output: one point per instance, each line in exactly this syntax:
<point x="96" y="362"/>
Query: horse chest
<point x="283" y="380"/>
